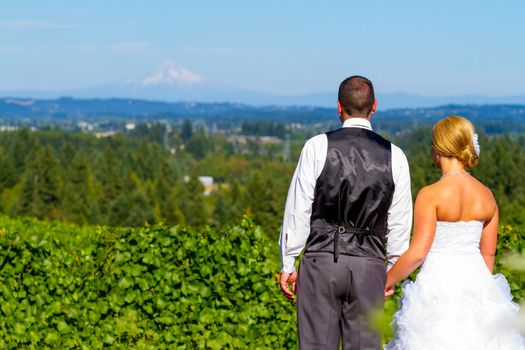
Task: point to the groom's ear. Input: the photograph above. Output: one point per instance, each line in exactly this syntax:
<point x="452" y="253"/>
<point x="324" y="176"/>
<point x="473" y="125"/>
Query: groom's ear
<point x="339" y="108"/>
<point x="374" y="107"/>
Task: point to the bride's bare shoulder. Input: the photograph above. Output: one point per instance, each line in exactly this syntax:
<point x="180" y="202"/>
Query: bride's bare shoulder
<point x="457" y="190"/>
<point x="432" y="189"/>
<point x="447" y="189"/>
<point x="428" y="193"/>
<point x="481" y="189"/>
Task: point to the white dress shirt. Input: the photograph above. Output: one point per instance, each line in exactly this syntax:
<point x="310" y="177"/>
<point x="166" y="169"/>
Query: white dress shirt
<point x="296" y="222"/>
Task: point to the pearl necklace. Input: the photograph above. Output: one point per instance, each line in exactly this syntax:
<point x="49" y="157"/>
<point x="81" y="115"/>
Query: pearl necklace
<point x="454" y="173"/>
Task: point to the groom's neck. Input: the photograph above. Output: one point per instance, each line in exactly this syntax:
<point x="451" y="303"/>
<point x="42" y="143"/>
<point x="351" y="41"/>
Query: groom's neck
<point x="346" y="117"/>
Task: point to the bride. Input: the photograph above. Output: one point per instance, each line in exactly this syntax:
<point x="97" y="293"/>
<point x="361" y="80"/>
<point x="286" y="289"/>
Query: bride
<point x="455" y="302"/>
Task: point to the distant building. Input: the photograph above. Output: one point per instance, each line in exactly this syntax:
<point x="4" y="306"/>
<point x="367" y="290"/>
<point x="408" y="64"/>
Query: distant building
<point x="85" y="126"/>
<point x="105" y="133"/>
<point x="25" y="103"/>
<point x="270" y="140"/>
<point x="243" y="139"/>
<point x="207" y="182"/>
<point x="8" y="128"/>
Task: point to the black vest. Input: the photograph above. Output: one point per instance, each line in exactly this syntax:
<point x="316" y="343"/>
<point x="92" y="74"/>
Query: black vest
<point x="352" y="195"/>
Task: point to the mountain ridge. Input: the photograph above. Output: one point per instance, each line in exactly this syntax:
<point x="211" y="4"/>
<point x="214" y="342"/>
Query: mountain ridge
<point x="171" y="82"/>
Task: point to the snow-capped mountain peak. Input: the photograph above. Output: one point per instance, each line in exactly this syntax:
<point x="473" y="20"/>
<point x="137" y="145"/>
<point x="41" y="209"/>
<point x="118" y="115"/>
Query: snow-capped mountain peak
<point x="170" y="73"/>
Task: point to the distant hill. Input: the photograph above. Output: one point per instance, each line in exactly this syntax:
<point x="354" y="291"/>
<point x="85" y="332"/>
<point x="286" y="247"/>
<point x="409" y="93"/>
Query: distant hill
<point x="173" y="83"/>
<point x="57" y="110"/>
<point x="490" y="118"/>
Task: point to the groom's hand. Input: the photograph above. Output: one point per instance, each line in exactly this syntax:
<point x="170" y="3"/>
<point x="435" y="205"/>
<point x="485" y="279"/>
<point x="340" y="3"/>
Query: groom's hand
<point x="285" y="279"/>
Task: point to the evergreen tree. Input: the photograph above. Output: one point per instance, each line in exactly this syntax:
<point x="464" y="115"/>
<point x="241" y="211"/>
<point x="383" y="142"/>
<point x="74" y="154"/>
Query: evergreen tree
<point x="78" y="201"/>
<point x="67" y="153"/>
<point x="186" y="130"/>
<point x="191" y="202"/>
<point x="223" y="212"/>
<point x="20" y="149"/>
<point x="110" y="182"/>
<point x="41" y="185"/>
<point x="265" y="201"/>
<point x="8" y="176"/>
<point x="140" y="212"/>
<point x="198" y="145"/>
<point x="119" y="210"/>
<point x="164" y="194"/>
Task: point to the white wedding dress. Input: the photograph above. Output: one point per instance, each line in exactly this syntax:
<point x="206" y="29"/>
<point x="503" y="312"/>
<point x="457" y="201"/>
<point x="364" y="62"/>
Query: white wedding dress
<point x="455" y="302"/>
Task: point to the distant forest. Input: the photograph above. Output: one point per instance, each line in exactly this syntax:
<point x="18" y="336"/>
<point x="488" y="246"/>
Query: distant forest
<point x="114" y="113"/>
<point x="150" y="174"/>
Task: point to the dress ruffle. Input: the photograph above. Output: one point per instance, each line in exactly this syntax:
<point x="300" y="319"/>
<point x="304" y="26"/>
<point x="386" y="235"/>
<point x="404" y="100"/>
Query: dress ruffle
<point x="474" y="311"/>
<point x="455" y="302"/>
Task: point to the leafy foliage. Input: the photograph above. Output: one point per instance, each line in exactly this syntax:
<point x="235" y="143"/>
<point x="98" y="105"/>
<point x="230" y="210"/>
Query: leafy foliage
<point x="153" y="287"/>
<point x="511" y="241"/>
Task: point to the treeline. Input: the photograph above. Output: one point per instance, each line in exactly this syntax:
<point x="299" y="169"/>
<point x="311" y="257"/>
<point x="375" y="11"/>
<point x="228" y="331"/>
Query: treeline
<point x="147" y="176"/>
<point x="78" y="178"/>
<point x="263" y="128"/>
<point x="151" y="175"/>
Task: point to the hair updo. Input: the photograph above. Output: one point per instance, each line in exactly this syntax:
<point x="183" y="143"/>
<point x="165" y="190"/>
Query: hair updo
<point x="453" y="137"/>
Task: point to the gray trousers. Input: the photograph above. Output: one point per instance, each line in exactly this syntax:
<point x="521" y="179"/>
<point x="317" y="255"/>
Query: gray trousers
<point x="334" y="301"/>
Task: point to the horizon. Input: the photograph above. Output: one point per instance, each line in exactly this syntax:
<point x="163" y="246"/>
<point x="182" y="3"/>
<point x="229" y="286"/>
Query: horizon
<point x="435" y="49"/>
<point x="321" y="100"/>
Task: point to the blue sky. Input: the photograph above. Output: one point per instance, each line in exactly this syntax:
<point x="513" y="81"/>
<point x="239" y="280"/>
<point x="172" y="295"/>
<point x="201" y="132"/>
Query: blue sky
<point x="284" y="47"/>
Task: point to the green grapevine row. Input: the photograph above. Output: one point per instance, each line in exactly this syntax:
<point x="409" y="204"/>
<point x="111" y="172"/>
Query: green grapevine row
<point x="153" y="287"/>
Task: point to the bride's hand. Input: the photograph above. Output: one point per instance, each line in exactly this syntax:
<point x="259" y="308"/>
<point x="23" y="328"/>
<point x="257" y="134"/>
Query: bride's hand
<point x="389" y="291"/>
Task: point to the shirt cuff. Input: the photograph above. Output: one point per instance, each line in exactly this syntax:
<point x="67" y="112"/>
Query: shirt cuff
<point x="389" y="266"/>
<point x="288" y="264"/>
<point x="391" y="263"/>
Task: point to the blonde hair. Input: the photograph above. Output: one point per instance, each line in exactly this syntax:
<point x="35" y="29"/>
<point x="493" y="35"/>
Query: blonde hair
<point x="454" y="137"/>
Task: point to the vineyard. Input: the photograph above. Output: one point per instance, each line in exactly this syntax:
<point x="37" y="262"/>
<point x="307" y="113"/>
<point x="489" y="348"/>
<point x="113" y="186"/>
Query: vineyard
<point x="152" y="287"/>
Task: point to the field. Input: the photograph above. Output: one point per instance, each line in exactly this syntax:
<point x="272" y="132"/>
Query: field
<point x="153" y="287"/>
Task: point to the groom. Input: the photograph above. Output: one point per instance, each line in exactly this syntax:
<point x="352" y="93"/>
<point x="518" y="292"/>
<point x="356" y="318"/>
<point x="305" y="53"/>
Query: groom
<point x="349" y="207"/>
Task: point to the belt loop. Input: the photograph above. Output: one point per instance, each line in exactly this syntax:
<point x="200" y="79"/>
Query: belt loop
<point x="340" y="229"/>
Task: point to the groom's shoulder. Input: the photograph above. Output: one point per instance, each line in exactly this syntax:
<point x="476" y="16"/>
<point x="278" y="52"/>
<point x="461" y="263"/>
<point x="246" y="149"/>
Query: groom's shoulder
<point x="399" y="158"/>
<point x="315" y="140"/>
<point x="397" y="149"/>
<point x="315" y="143"/>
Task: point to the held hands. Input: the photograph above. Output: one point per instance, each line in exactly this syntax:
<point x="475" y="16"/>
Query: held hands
<point x="285" y="279"/>
<point x="389" y="291"/>
<point x="390" y="286"/>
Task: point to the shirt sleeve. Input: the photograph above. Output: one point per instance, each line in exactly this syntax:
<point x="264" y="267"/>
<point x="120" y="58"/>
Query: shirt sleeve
<point x="298" y="209"/>
<point x="400" y="212"/>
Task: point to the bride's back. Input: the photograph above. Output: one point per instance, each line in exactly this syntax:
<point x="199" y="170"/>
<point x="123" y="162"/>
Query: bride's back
<point x="462" y="197"/>
<point x="458" y="196"/>
<point x="455" y="302"/>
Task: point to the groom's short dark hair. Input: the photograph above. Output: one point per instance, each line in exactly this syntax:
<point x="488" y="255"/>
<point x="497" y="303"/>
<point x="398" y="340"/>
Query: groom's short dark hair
<point x="356" y="95"/>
